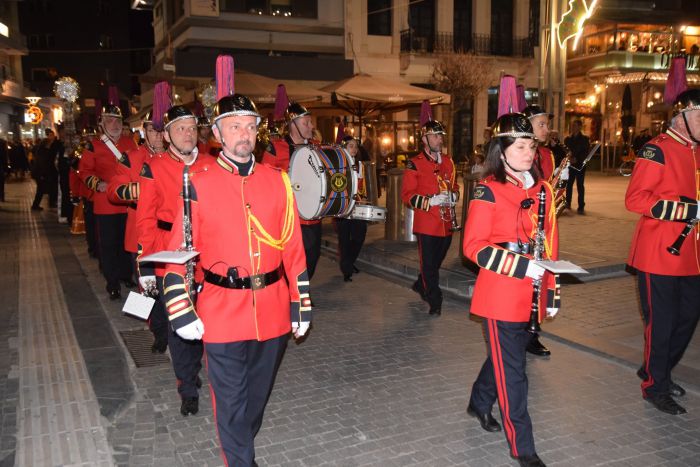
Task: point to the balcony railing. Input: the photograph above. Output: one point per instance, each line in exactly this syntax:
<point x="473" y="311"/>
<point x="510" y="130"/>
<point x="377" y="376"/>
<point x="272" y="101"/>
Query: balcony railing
<point x="479" y="44"/>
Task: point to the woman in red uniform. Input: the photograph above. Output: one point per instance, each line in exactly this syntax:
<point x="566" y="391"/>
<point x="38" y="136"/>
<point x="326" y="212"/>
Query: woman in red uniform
<point x="501" y="224"/>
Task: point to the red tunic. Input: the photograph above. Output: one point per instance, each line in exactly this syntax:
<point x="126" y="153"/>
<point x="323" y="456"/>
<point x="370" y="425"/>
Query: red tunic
<point x="664" y="189"/>
<point x="422" y="179"/>
<point x="546" y="162"/>
<point x="100" y="165"/>
<point x="283" y="149"/>
<point x="160" y="202"/>
<point x="123" y="189"/>
<point x="257" y="207"/>
<point x="78" y="187"/>
<point x="502" y="290"/>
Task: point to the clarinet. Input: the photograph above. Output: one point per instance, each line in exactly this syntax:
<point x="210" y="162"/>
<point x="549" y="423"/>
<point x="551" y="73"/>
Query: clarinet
<point x="533" y="325"/>
<point x="675" y="249"/>
<point x="187" y="231"/>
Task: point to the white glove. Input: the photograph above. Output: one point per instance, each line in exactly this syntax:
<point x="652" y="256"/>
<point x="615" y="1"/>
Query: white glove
<point x="101" y="187"/>
<point x="147" y="282"/>
<point x="564" y="174"/>
<point x="193" y="331"/>
<point x="534" y="271"/>
<point x="299" y="329"/>
<point x="552" y="312"/>
<point x="440" y="199"/>
<point x="697" y="214"/>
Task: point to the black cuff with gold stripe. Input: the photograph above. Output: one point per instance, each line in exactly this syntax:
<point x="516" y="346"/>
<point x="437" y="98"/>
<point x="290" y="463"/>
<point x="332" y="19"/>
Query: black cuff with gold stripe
<point x="128" y="191"/>
<point x="178" y="303"/>
<point x="502" y="261"/>
<point x="420" y="202"/>
<point x="680" y="211"/>
<point x="92" y="182"/>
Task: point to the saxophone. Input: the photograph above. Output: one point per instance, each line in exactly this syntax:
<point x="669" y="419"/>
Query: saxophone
<point x="533" y="325"/>
<point x="559" y="185"/>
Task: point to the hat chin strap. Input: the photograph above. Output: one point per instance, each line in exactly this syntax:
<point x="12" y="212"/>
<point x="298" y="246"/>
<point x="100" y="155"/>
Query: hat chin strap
<point x="687" y="129"/>
<point x="294" y="122"/>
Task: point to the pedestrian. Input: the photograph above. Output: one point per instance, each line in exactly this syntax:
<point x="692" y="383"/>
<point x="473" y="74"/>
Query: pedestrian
<point x="502" y="221"/>
<point x="44" y="170"/>
<point x="430" y="189"/>
<point x="664" y="191"/>
<point x="300" y="132"/>
<point x="65" y="213"/>
<point x="579" y="145"/>
<point x="97" y="167"/>
<point x="351" y="232"/>
<point x="159" y="203"/>
<point x="4" y="167"/>
<point x="255" y="286"/>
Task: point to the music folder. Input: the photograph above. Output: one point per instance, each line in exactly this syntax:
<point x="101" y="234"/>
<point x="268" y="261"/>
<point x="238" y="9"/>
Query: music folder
<point x="561" y="267"/>
<point x="138" y="305"/>
<point x="176" y="257"/>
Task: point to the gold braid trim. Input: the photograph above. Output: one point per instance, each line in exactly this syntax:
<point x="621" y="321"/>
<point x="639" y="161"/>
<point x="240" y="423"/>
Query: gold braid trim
<point x="288" y="226"/>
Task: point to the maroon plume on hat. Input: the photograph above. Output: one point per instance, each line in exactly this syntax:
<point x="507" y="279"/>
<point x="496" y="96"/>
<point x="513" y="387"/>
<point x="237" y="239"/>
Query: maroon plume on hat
<point x="507" y="96"/>
<point x="426" y="113"/>
<point x="677" y="82"/>
<point x="224" y="76"/>
<point x="161" y="103"/>
<point x="281" y="102"/>
<point x="113" y="95"/>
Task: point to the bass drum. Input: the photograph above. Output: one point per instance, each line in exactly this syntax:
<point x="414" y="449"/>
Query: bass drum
<point x="323" y="180"/>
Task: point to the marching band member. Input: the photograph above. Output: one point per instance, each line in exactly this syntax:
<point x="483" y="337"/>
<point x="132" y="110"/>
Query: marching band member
<point x="204" y="145"/>
<point x="351" y="232"/>
<point x="664" y="190"/>
<point x="159" y="203"/>
<point x="429" y="186"/>
<point x="96" y="169"/>
<point x="300" y="128"/>
<point x="246" y="308"/>
<point x="501" y="222"/>
<point x="124" y="189"/>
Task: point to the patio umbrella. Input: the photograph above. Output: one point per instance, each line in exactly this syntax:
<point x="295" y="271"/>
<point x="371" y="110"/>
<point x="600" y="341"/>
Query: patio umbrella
<point x="263" y="89"/>
<point x="364" y="94"/>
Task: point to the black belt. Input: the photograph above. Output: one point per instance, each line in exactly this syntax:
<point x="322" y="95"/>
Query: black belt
<point x="164" y="225"/>
<point x="258" y="281"/>
<point x="516" y="247"/>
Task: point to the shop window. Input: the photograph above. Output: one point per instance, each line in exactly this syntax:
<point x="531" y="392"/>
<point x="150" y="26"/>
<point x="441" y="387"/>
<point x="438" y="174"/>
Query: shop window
<point x="284" y="8"/>
<point x="379" y="17"/>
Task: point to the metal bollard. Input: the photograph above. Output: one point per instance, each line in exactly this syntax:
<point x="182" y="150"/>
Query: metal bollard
<point x="399" y="219"/>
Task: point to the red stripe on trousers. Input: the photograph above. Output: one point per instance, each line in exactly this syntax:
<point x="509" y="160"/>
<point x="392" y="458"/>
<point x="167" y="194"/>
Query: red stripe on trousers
<point x="501" y="389"/>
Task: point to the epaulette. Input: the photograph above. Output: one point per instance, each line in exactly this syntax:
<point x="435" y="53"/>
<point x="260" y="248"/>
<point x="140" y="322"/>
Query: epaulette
<point x="483" y="192"/>
<point x="410" y="165"/>
<point x="124" y="160"/>
<point x="146" y="171"/>
<point x="652" y="153"/>
<point x="89" y="146"/>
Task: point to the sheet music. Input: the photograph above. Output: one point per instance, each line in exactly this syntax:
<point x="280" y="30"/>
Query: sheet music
<point x="561" y="267"/>
<point x="176" y="257"/>
<point x="138" y="305"/>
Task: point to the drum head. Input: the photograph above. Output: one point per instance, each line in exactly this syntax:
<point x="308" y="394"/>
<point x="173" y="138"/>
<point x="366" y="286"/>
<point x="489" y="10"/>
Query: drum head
<point x="308" y="182"/>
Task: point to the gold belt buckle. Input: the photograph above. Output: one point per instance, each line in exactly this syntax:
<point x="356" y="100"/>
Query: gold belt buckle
<point x="257" y="282"/>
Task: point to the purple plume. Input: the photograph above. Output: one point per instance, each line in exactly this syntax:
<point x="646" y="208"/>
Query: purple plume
<point x="677" y="82"/>
<point x="426" y="113"/>
<point x="161" y="103"/>
<point x="113" y="95"/>
<point x="341" y="133"/>
<point x="224" y="76"/>
<point x="507" y="96"/>
<point x="281" y="102"/>
<point x="522" y="102"/>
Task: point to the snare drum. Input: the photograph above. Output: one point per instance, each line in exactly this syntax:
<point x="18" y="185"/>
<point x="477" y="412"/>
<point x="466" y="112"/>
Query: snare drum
<point x="367" y="212"/>
<point x="323" y="180"/>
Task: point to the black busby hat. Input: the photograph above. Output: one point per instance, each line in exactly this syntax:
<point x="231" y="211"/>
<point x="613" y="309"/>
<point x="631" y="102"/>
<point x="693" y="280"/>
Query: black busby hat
<point x="111" y="110"/>
<point x="433" y="127"/>
<point x="203" y="122"/>
<point x="176" y="112"/>
<point x="236" y="104"/>
<point x="534" y="110"/>
<point x="513" y="125"/>
<point x="686" y="101"/>
<point x="295" y="110"/>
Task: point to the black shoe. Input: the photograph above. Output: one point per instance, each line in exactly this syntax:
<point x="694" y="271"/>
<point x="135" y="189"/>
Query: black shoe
<point x="355" y="270"/>
<point x="114" y="294"/>
<point x="129" y="284"/>
<point x="347" y="277"/>
<point x="435" y="311"/>
<point x="37" y="208"/>
<point x="531" y="461"/>
<point x="580" y="211"/>
<point x="189" y="406"/>
<point x="486" y="420"/>
<point x="419" y="290"/>
<point x="535" y="347"/>
<point x="198" y="382"/>
<point x="159" y="346"/>
<point x="666" y="404"/>
<point x="676" y="390"/>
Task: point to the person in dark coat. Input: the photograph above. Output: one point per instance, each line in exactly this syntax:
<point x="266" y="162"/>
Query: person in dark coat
<point x="44" y="170"/>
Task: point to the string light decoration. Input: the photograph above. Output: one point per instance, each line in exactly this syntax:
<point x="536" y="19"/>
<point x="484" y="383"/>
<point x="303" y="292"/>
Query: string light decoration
<point x="66" y="88"/>
<point x="572" y="21"/>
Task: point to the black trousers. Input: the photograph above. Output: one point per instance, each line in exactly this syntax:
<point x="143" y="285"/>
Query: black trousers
<point x="158" y="321"/>
<point x="311" y="236"/>
<point x="66" y="205"/>
<point x="90" y="227"/>
<point x="241" y="376"/>
<point x="671" y="308"/>
<point x="578" y="177"/>
<point x="432" y="251"/>
<point x="46" y="185"/>
<point x="185" y="354"/>
<point x="503" y="377"/>
<point x="351" y="237"/>
<point x="115" y="261"/>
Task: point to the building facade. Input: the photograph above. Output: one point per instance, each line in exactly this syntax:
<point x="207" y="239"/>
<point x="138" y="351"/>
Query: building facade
<point x="12" y="48"/>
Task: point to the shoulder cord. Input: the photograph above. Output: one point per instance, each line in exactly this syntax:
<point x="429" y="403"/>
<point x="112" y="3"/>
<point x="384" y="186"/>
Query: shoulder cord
<point x="288" y="225"/>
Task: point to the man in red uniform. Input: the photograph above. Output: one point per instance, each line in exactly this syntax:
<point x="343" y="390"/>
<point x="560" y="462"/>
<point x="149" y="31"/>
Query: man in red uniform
<point x="300" y="129"/>
<point x="429" y="187"/>
<point x="124" y="189"/>
<point x="160" y="186"/>
<point x="246" y="308"/>
<point x="664" y="190"/>
<point x="204" y="145"/>
<point x="97" y="167"/>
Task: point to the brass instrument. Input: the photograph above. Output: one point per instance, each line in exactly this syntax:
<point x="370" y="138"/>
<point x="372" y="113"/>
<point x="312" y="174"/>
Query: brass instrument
<point x="559" y="185"/>
<point x="448" y="211"/>
<point x="533" y="325"/>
